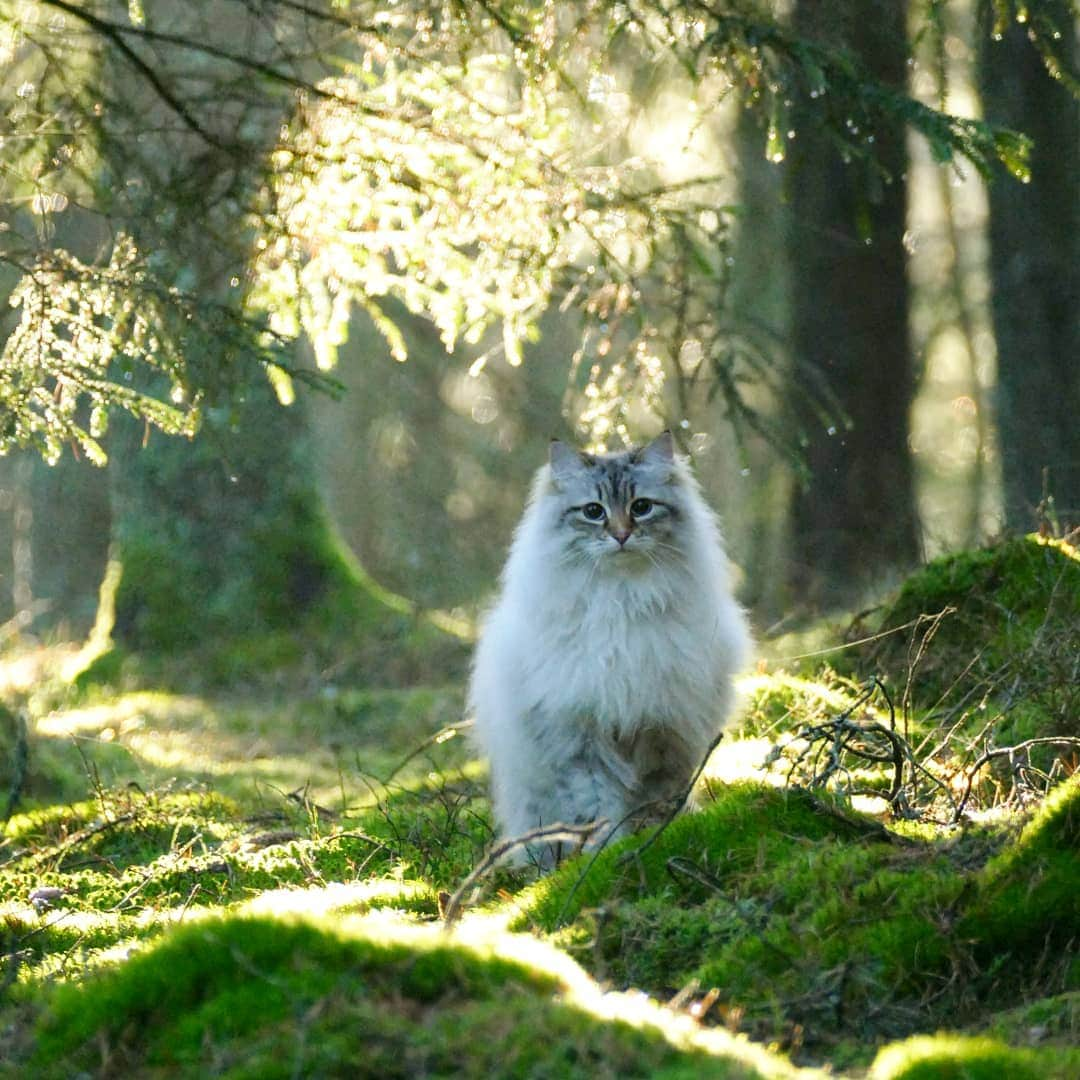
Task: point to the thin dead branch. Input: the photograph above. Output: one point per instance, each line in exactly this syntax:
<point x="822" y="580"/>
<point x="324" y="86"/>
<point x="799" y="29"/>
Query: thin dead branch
<point x="1021" y="769"/>
<point x="551" y="834"/>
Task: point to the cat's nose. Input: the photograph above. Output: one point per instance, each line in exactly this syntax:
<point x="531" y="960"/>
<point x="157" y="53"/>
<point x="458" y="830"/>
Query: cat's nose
<point x="622" y="535"/>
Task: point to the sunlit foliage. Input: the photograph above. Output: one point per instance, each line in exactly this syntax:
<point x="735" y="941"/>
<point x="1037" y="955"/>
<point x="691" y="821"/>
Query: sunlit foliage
<point x="195" y="189"/>
<point x="77" y="339"/>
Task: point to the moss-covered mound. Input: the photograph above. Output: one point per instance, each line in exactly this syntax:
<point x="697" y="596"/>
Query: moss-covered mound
<point x="262" y="997"/>
<point x="951" y="1057"/>
<point x="1025" y="915"/>
<point x="95" y="877"/>
<point x="810" y="924"/>
<point x="819" y="929"/>
<point x="991" y="629"/>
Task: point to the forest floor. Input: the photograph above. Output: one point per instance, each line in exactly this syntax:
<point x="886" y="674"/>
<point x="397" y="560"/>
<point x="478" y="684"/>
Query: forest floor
<point x="290" y="879"/>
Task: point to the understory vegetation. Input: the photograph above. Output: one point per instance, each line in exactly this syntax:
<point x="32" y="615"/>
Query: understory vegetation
<point x="289" y="878"/>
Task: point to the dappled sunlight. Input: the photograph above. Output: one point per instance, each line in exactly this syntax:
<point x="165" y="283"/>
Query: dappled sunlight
<point x="23" y="668"/>
<point x="742" y="759"/>
<point x="683" y="921"/>
<point x="829" y="694"/>
<point x="124" y="715"/>
<point x="247" y="828"/>
<point x="184" y="737"/>
<point x="330" y="747"/>
<point x="337" y="898"/>
<point x="488" y="936"/>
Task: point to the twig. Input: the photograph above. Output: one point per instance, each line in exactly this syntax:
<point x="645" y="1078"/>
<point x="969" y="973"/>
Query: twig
<point x="1006" y="751"/>
<point x="113" y="32"/>
<point x="74" y="840"/>
<point x="935" y="621"/>
<point x="858" y="643"/>
<point x="551" y="833"/>
<point x="842" y="736"/>
<point x="596" y="855"/>
<point x="676" y="805"/>
<point x="442" y="735"/>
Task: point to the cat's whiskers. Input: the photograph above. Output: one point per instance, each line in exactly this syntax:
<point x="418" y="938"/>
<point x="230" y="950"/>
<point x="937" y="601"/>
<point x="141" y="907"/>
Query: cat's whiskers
<point x="668" y="546"/>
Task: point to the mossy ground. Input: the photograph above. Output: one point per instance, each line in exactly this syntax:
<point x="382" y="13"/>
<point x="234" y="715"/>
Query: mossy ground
<point x="251" y="884"/>
<point x="990" y="631"/>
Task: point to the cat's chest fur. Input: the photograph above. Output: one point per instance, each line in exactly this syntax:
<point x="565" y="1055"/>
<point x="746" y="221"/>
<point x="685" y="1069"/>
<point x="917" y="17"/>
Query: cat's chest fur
<point x="620" y="651"/>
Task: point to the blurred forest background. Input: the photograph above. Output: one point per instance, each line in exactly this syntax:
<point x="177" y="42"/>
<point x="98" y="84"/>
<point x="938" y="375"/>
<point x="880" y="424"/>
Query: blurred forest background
<point x="803" y="236"/>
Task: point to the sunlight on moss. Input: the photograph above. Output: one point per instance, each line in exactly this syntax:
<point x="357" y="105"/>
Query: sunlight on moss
<point x="984" y="636"/>
<point x="339" y="897"/>
<point x="776" y="698"/>
<point x="127" y="713"/>
<point x="955" y="1057"/>
<point x="1053" y="1021"/>
<point x="318" y="745"/>
<point x="741" y="759"/>
<point x="213" y="987"/>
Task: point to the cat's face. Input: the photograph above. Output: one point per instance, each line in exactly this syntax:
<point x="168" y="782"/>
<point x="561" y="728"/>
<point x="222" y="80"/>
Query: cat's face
<point x="624" y="509"/>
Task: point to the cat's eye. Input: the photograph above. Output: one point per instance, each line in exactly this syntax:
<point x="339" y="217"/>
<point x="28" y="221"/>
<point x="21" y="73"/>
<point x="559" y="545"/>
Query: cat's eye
<point x="593" y="512"/>
<point x="640" y="508"/>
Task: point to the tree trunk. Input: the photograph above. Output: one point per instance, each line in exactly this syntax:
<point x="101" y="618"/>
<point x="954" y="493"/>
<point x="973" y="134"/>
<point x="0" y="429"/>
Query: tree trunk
<point x="760" y="297"/>
<point x="854" y="519"/>
<point x="220" y="546"/>
<point x="221" y="536"/>
<point x="1035" y="273"/>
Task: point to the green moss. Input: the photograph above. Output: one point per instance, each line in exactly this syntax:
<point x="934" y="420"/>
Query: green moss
<point x="227" y="573"/>
<point x="401" y="718"/>
<point x="161" y="600"/>
<point x="117" y="818"/>
<point x="779" y="703"/>
<point x="749" y="825"/>
<point x="438" y="830"/>
<point x="1028" y="901"/>
<point x="954" y="1057"/>
<point x="238" y="974"/>
<point x="33" y="768"/>
<point x="804" y="924"/>
<point x="806" y="919"/>
<point x="973" y="624"/>
<point x="264" y="997"/>
<point x="1051" y="1021"/>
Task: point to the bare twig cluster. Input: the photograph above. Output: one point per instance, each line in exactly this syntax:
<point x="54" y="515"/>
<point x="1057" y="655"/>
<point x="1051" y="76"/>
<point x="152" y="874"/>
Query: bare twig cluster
<point x="854" y="753"/>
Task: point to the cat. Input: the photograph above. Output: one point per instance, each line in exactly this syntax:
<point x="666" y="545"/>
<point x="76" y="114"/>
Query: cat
<point x="604" y="670"/>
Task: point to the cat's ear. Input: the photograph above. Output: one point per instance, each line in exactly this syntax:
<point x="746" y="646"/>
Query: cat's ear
<point x="565" y="461"/>
<point x="659" y="454"/>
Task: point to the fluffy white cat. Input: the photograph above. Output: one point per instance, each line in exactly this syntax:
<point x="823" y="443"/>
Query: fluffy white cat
<point x="604" y="670"/>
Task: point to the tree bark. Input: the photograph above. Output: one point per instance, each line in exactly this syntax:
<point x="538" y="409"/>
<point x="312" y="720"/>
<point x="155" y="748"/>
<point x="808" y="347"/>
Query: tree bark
<point x="1035" y="274"/>
<point x="854" y="519"/>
